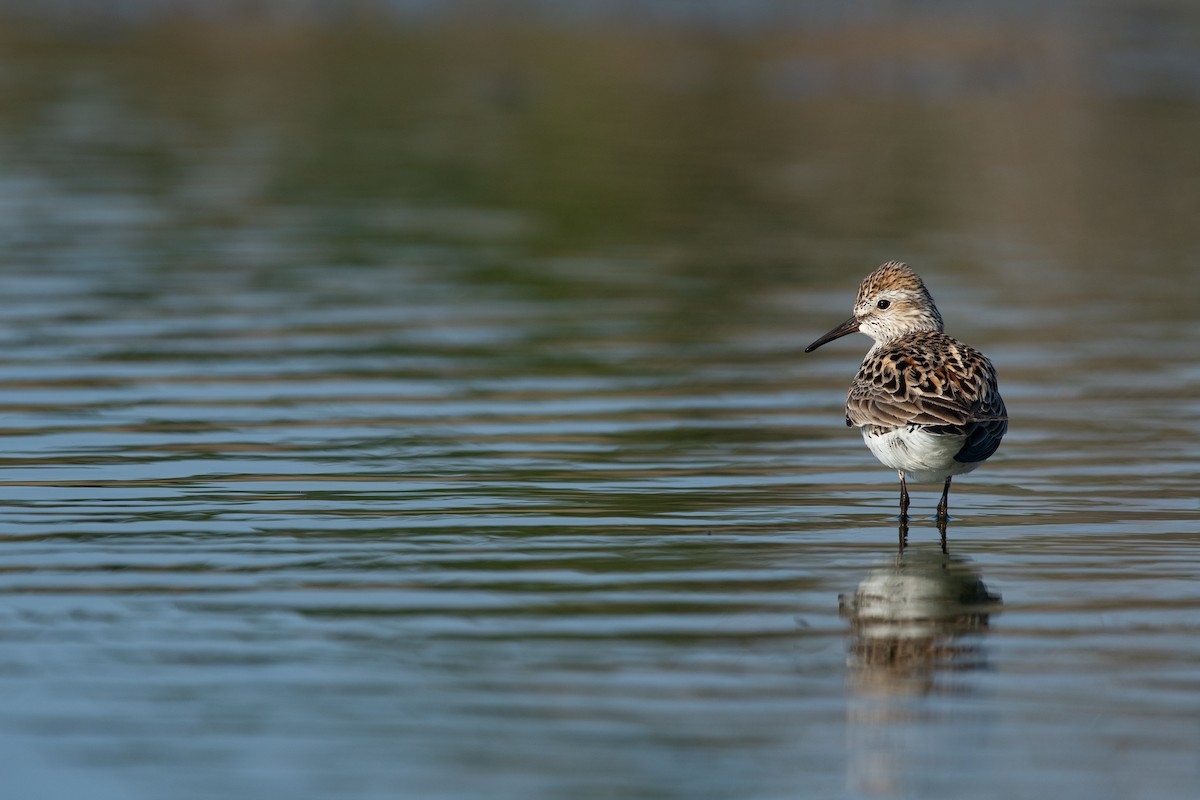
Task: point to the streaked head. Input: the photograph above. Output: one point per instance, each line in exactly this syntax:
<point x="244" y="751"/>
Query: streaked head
<point x="892" y="301"/>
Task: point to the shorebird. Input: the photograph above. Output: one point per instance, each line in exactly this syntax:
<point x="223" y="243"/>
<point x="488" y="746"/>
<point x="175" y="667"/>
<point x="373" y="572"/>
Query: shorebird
<point x="928" y="405"/>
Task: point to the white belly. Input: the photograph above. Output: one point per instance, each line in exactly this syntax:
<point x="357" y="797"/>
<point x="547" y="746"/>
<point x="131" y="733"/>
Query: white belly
<point x="922" y="457"/>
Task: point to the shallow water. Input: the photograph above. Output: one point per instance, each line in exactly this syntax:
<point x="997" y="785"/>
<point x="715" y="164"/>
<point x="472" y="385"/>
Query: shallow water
<point x="426" y="482"/>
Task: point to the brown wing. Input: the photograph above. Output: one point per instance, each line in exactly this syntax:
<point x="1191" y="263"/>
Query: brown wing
<point x="932" y="380"/>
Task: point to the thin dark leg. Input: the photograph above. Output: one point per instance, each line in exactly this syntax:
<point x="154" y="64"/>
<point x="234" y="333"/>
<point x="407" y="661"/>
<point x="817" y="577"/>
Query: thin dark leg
<point x="903" y="499"/>
<point x="903" y="534"/>
<point x="943" y="509"/>
<point x="943" y="515"/>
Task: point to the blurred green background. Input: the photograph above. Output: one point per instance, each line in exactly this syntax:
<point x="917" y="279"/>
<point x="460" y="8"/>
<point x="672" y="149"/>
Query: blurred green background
<point x="739" y="143"/>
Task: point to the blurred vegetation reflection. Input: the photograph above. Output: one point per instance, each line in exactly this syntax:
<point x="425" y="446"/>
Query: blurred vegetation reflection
<point x="743" y="151"/>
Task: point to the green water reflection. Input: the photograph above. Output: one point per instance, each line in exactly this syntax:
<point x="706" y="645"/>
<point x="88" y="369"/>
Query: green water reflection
<point x="743" y="161"/>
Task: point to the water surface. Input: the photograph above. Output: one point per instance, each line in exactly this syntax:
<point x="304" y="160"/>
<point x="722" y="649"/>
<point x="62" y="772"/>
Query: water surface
<point x="394" y="414"/>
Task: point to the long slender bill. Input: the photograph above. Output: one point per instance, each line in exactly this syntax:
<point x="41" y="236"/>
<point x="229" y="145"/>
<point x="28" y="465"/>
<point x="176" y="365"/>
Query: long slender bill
<point x="849" y="326"/>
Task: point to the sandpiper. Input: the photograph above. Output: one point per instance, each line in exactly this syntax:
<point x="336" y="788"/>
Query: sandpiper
<point x="927" y="404"/>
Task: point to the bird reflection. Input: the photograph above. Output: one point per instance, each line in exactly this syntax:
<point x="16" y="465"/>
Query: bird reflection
<point x="916" y="616"/>
<point x="913" y="622"/>
<point x="942" y="521"/>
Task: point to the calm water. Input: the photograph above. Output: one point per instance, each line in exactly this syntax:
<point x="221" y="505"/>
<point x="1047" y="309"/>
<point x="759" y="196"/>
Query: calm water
<point x="374" y="431"/>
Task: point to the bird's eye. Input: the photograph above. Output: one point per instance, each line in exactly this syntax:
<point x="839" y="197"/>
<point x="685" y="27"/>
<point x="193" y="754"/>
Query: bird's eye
<point x="883" y="304"/>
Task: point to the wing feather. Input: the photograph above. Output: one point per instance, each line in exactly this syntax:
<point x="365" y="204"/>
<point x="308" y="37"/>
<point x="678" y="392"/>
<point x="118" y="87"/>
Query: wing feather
<point x="931" y="380"/>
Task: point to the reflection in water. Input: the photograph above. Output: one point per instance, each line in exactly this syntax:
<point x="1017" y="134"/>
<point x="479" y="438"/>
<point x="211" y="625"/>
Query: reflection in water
<point x="911" y="620"/>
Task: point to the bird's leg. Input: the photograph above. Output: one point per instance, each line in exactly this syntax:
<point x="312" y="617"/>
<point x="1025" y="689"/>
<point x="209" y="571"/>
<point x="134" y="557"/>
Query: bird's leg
<point x="903" y="534"/>
<point x="943" y="509"/>
<point x="903" y="498"/>
<point x="943" y="515"/>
